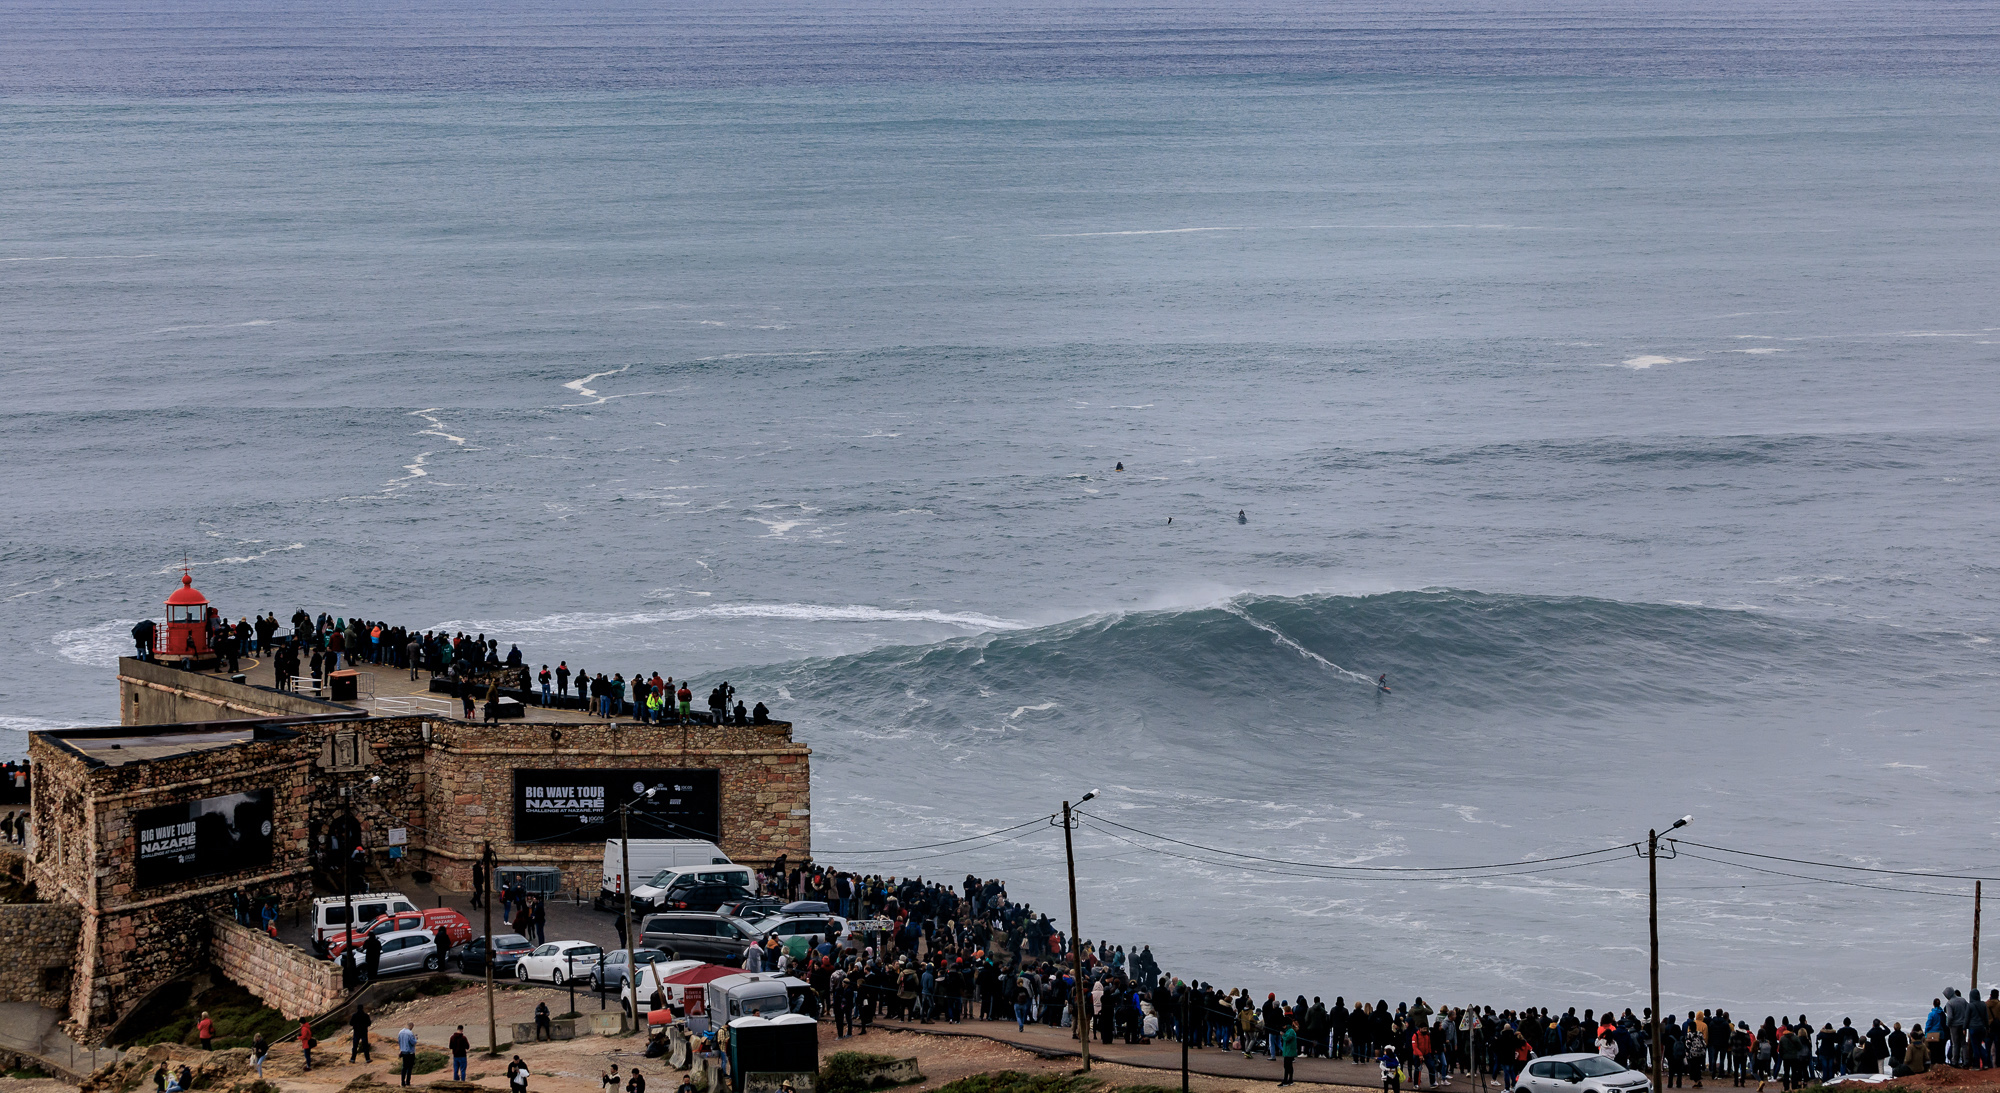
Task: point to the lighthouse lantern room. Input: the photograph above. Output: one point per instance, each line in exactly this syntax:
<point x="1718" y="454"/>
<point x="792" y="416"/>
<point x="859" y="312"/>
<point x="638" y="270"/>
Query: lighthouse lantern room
<point x="187" y="626"/>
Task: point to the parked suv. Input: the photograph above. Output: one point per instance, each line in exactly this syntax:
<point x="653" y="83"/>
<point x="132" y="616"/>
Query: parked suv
<point x="698" y="935"/>
<point x="702" y="897"/>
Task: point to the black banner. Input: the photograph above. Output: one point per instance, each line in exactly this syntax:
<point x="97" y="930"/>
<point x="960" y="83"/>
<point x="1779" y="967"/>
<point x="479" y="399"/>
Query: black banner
<point x="581" y="806"/>
<point x="203" y="838"/>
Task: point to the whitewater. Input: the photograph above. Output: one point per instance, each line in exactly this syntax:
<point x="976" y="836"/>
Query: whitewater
<point x="1618" y="383"/>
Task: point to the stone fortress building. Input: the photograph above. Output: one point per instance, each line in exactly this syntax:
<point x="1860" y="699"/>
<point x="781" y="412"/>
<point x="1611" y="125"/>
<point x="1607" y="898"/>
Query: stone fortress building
<point x="212" y="786"/>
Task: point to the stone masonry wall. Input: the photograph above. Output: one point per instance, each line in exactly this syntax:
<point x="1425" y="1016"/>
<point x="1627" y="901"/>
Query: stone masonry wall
<point x="132" y="939"/>
<point x="450" y="794"/>
<point x="766" y="789"/>
<point x="37" y="951"/>
<point x="288" y="979"/>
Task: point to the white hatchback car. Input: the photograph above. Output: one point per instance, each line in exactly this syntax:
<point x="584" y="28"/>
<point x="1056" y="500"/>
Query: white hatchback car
<point x="1580" y="1072"/>
<point x="557" y="961"/>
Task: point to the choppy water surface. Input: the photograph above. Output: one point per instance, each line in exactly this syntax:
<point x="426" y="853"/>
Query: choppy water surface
<point x="1620" y="384"/>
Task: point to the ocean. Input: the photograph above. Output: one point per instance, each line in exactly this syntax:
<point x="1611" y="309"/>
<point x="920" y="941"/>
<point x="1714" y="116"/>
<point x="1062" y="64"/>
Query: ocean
<point x="1618" y="381"/>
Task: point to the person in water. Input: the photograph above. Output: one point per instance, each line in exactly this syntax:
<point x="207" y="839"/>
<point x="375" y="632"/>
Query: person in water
<point x="1119" y="467"/>
<point x="1382" y="681"/>
<point x="1241" y="518"/>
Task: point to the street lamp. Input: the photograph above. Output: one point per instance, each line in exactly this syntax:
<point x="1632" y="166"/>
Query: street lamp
<point x="1082" y="1018"/>
<point x="625" y="873"/>
<point x="1653" y="921"/>
<point x="486" y="900"/>
<point x="347" y="871"/>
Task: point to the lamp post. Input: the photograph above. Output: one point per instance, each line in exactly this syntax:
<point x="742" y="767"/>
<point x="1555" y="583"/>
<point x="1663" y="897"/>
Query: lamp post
<point x="347" y="871"/>
<point x="1082" y="1018"/>
<point x="625" y="889"/>
<point x="1653" y="923"/>
<point x="486" y="899"/>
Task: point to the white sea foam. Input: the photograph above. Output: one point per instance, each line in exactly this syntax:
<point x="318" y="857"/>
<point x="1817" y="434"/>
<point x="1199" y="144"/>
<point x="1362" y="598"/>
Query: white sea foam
<point x="1649" y="360"/>
<point x="98" y="644"/>
<point x="235" y="560"/>
<point x="437" y="427"/>
<point x="1759" y="349"/>
<point x="1148" y="231"/>
<point x="799" y="612"/>
<point x="15" y="723"/>
<point x="582" y="386"/>
<point x="77" y="257"/>
<point x="1281" y="638"/>
<point x="1019" y="710"/>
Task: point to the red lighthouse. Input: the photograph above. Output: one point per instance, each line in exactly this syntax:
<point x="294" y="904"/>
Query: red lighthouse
<point x="187" y="626"/>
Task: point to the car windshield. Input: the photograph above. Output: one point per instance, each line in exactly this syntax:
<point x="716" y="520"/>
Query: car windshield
<point x="510" y="941"/>
<point x="1597" y="1066"/>
<point x="584" y="950"/>
<point x="661" y="879"/>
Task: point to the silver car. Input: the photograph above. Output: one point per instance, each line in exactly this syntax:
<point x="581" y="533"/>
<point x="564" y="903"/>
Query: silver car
<point x="408" y="951"/>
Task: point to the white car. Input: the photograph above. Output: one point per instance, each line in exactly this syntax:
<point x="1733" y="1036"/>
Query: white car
<point x="1579" y="1072"/>
<point x="557" y="961"/>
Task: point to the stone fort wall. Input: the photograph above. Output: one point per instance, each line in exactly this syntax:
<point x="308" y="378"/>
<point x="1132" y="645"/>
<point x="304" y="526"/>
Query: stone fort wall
<point x="37" y="946"/>
<point x="289" y="979"/>
<point x="448" y="785"/>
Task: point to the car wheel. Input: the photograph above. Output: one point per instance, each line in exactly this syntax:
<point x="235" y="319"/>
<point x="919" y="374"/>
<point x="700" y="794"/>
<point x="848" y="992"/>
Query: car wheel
<point x="432" y="963"/>
<point x="521" y="972"/>
<point x="555" y="977"/>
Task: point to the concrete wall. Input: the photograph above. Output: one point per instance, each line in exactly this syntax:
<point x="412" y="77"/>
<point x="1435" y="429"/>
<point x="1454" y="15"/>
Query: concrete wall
<point x="288" y="979"/>
<point x="155" y="694"/>
<point x="37" y="950"/>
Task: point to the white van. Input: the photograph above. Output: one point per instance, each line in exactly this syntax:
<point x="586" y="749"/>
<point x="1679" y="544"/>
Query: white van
<point x="652" y="894"/>
<point x="649" y="858"/>
<point x="330" y="912"/>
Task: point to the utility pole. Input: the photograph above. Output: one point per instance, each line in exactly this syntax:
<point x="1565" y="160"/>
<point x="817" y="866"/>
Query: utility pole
<point x="1186" y="994"/>
<point x="625" y="889"/>
<point x="1974" y="999"/>
<point x="1080" y="1008"/>
<point x="1653" y="923"/>
<point x="486" y="899"/>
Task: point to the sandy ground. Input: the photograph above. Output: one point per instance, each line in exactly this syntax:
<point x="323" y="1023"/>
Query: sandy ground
<point x="574" y="1066"/>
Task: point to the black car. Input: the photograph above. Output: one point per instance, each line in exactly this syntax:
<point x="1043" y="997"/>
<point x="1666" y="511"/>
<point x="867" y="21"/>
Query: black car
<point x="508" y="949"/>
<point x="753" y="909"/>
<point x="704" y="897"/>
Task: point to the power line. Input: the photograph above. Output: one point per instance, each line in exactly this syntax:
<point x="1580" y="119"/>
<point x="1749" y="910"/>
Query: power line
<point x="1834" y="865"/>
<point x="1825" y="880"/>
<point x="1620" y="848"/>
<point x="929" y="846"/>
<point x="961" y="850"/>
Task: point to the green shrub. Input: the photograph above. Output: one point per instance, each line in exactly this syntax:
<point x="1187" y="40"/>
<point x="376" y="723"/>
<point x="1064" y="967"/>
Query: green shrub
<point x="849" y="1071"/>
<point x="429" y="1062"/>
<point x="1014" y="1081"/>
<point x="238" y="1016"/>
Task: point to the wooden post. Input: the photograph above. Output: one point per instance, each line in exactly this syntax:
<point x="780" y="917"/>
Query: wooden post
<point x="1082" y="1018"/>
<point x="1975" y="944"/>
